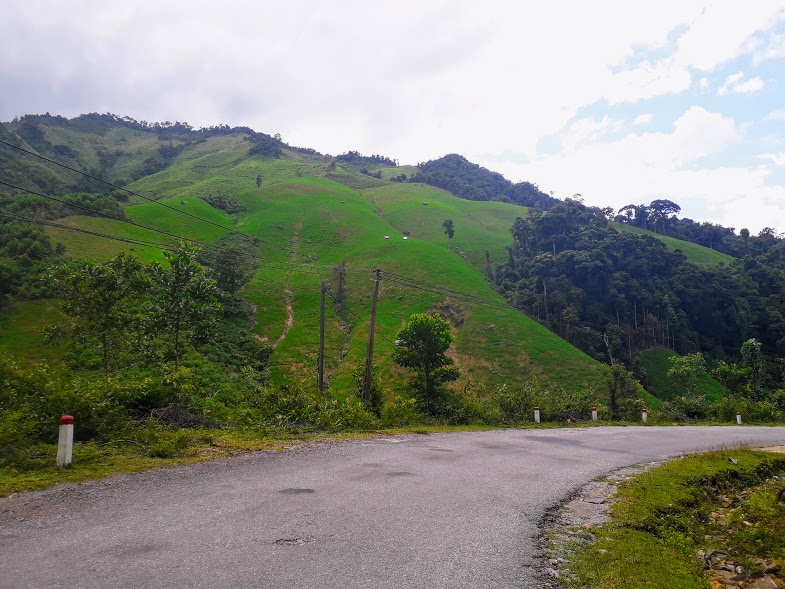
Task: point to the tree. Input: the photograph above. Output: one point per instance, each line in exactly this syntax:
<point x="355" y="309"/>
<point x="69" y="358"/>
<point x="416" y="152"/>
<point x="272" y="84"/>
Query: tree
<point x="185" y="298"/>
<point x="97" y="295"/>
<point x="259" y="180"/>
<point x="686" y="370"/>
<point x="449" y="228"/>
<point x="422" y="345"/>
<point x="752" y="359"/>
<point x="622" y="391"/>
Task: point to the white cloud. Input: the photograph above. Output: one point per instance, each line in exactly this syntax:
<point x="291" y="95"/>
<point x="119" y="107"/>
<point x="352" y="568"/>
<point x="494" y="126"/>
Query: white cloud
<point x="734" y="83"/>
<point x="414" y="83"/>
<point x="640" y="167"/>
<point x="777" y="158"/>
<point x="776" y="115"/>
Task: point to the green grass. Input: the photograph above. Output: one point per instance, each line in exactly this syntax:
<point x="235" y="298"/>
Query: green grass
<point x="660" y="519"/>
<point x="696" y="254"/>
<point x="310" y="225"/>
<point x="82" y="245"/>
<point x="22" y="331"/>
<point x="656" y="362"/>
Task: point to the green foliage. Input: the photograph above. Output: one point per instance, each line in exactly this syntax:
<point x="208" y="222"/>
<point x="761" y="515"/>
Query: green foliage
<point x="467" y="180"/>
<point x="686" y="370"/>
<point x="654" y="366"/>
<point x="400" y="412"/>
<point x="660" y="521"/>
<point x="185" y="299"/>
<point x="99" y="296"/>
<point x="624" y="398"/>
<point x="517" y="403"/>
<point x="449" y="228"/>
<point x="422" y="345"/>
<point x="227" y="203"/>
<point x="231" y="264"/>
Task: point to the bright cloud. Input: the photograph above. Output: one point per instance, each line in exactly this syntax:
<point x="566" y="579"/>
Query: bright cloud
<point x="431" y="78"/>
<point x="734" y="83"/>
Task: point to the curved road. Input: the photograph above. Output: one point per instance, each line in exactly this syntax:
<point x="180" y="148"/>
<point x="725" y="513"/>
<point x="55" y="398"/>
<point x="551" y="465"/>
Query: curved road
<point x="447" y="510"/>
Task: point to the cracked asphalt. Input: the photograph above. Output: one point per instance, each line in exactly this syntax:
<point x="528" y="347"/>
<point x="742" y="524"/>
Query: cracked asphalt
<point x="445" y="510"/>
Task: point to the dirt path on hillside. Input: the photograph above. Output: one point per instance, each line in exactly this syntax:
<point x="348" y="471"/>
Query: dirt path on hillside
<point x="288" y="291"/>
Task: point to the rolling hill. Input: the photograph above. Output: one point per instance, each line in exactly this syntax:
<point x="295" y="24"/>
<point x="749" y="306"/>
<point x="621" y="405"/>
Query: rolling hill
<point x="312" y="214"/>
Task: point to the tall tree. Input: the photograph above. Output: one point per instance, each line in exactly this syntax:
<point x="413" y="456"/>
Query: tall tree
<point x="185" y="298"/>
<point x="97" y="295"/>
<point x="422" y="345"/>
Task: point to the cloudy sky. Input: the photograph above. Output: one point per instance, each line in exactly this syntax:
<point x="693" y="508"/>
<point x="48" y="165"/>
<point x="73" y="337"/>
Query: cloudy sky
<point x="622" y="102"/>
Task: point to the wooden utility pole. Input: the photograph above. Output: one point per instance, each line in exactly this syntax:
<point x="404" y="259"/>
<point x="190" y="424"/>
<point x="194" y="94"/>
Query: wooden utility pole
<point x="321" y="341"/>
<point x="369" y="358"/>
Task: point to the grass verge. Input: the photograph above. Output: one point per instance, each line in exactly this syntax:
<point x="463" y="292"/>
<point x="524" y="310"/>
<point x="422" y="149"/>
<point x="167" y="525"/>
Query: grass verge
<point x="92" y="460"/>
<point x="665" y="522"/>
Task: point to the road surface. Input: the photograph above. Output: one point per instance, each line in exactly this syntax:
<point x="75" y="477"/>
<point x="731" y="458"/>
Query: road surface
<point x="446" y="510"/>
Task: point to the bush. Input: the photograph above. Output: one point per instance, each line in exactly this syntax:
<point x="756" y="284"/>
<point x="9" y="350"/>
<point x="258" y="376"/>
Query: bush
<point x="401" y="412"/>
<point x="516" y="404"/>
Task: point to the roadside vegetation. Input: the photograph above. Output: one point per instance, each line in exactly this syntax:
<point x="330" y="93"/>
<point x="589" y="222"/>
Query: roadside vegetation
<point x="184" y="307"/>
<point x="708" y="519"/>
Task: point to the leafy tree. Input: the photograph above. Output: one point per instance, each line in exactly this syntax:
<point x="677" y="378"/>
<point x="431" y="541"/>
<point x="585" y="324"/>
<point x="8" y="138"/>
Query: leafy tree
<point x="98" y="294"/>
<point x="752" y="359"/>
<point x="449" y="228"/>
<point x="258" y="180"/>
<point x="185" y="298"/>
<point x="687" y="370"/>
<point x="422" y="345"/>
<point x="230" y="263"/>
<point x="622" y="391"/>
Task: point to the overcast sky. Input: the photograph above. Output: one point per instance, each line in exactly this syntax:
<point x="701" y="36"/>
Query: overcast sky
<point x="621" y="102"/>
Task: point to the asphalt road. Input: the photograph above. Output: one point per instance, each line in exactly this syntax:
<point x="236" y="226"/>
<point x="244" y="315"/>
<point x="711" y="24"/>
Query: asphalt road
<point x="447" y="510"/>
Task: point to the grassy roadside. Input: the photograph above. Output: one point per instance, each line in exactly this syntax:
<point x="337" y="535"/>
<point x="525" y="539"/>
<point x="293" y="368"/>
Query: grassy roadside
<point x="672" y="523"/>
<point x="174" y="448"/>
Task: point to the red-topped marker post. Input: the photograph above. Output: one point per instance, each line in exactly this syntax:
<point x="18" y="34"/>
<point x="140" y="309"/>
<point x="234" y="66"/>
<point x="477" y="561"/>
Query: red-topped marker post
<point x="536" y="415"/>
<point x="65" y="443"/>
<point x="594" y="414"/>
<point x="645" y="415"/>
<point x="738" y="417"/>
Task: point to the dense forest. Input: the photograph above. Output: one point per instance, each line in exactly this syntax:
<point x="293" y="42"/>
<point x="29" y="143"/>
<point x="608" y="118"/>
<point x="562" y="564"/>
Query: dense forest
<point x="462" y="178"/>
<point x="614" y="294"/>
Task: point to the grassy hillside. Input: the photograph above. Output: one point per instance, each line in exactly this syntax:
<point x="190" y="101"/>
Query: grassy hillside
<point x="656" y="362"/>
<point x="311" y="214"/>
<point x="310" y="225"/>
<point x="420" y="210"/>
<point x="697" y="254"/>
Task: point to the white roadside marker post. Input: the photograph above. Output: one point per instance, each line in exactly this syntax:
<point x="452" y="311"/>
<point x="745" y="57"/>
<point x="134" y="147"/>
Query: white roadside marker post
<point x="594" y="414"/>
<point x="645" y="415"/>
<point x="536" y="415"/>
<point x="738" y="417"/>
<point x="65" y="442"/>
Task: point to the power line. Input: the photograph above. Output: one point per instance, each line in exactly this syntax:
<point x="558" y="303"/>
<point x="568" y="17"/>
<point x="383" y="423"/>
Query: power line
<point x="152" y="200"/>
<point x="286" y="265"/>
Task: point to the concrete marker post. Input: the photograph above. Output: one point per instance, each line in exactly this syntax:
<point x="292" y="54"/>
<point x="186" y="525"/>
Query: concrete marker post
<point x="645" y="415"/>
<point x="65" y="443"/>
<point x="594" y="414"/>
<point x="536" y="415"/>
<point x="738" y="417"/>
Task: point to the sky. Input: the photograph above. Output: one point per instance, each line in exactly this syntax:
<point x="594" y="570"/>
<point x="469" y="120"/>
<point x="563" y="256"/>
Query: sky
<point x="619" y="102"/>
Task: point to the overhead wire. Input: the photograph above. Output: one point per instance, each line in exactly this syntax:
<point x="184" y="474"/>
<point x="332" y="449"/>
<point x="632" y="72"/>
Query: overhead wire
<point x="411" y="283"/>
<point x="142" y="196"/>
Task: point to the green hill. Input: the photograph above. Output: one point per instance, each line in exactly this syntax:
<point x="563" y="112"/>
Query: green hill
<point x="697" y="254"/>
<point x="656" y="363"/>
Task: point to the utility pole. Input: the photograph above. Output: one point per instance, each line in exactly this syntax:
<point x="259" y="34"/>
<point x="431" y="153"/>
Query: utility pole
<point x="369" y="358"/>
<point x="321" y="341"/>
